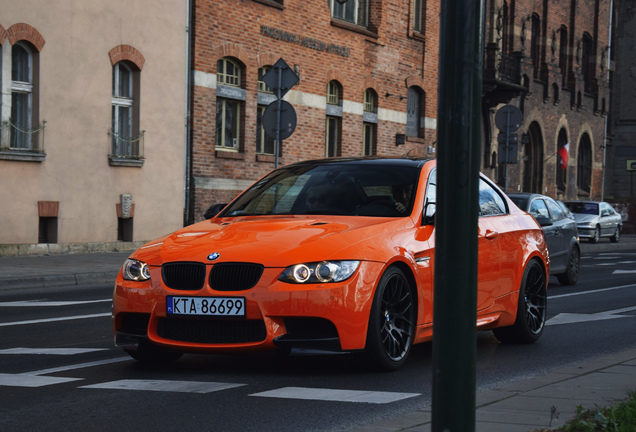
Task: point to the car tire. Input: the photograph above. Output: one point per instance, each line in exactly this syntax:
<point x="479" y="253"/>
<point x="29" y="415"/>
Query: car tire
<point x="617" y="235"/>
<point x="391" y="323"/>
<point x="152" y="354"/>
<point x="597" y="235"/>
<point x="571" y="275"/>
<point x="531" y="308"/>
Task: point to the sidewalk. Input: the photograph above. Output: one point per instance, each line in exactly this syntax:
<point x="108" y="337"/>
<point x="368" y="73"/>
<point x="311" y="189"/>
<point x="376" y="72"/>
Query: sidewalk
<point x="532" y="404"/>
<point x="539" y="403"/>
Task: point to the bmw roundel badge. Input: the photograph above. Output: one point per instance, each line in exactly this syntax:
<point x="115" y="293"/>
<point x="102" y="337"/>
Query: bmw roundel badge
<point x="214" y="256"/>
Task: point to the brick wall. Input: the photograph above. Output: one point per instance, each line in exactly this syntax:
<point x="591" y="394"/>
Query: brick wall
<point x="387" y="57"/>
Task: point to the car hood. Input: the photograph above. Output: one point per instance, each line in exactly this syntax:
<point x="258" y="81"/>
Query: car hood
<point x="585" y="218"/>
<point x="276" y="241"/>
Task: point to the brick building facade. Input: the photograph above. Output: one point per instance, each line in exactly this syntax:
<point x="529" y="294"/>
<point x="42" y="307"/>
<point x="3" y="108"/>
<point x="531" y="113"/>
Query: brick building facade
<point x="368" y="85"/>
<point x="550" y="60"/>
<point x="369" y="67"/>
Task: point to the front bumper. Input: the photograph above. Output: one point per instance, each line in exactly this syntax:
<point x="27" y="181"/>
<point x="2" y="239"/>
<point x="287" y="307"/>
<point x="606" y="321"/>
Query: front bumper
<point x="330" y="316"/>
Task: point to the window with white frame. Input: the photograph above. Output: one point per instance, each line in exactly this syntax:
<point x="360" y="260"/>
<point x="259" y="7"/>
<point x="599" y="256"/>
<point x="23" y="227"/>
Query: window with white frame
<point x="21" y="96"/>
<point x="229" y="103"/>
<point x="126" y="141"/>
<point x="353" y="11"/>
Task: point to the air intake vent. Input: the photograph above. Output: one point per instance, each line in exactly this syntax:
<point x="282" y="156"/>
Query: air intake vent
<point x="235" y="276"/>
<point x="186" y="276"/>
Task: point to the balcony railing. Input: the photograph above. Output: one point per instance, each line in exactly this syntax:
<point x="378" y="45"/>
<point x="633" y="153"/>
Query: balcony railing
<point x="126" y="151"/>
<point x="18" y="143"/>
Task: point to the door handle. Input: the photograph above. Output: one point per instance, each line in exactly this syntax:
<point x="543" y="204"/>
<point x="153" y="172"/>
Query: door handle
<point x="490" y="235"/>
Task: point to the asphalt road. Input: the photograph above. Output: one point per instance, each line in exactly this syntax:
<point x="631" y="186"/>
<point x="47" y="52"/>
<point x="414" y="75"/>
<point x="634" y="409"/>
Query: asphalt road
<point x="60" y="372"/>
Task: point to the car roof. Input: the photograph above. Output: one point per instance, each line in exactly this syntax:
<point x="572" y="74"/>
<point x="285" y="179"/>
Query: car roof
<point x="417" y="162"/>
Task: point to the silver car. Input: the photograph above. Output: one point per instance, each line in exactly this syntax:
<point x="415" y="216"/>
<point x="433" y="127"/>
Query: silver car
<point x="596" y="219"/>
<point x="561" y="235"/>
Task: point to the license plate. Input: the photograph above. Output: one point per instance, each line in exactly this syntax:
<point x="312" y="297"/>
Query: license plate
<point x="206" y="306"/>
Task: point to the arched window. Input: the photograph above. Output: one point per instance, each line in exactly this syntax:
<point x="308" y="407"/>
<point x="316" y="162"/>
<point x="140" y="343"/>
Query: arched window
<point x="587" y="64"/>
<point x="333" y="126"/>
<point x="584" y="162"/>
<point x="230" y="98"/>
<point x="370" y="123"/>
<point x="414" y="111"/>
<point x="535" y="44"/>
<point x="562" y="160"/>
<point x="22" y="88"/>
<point x="125" y="126"/>
<point x="563" y="54"/>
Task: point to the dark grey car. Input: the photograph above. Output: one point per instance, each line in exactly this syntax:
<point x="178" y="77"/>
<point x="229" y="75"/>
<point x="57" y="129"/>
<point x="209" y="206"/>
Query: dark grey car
<point x="560" y="231"/>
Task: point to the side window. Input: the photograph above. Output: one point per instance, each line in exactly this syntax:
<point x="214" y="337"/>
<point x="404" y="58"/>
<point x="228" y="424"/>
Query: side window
<point x="555" y="211"/>
<point x="539" y="209"/>
<point x="490" y="202"/>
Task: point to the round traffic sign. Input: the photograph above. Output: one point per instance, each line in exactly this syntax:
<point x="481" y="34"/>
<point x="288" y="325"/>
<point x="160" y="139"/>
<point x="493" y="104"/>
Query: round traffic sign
<point x="508" y="118"/>
<point x="287" y="119"/>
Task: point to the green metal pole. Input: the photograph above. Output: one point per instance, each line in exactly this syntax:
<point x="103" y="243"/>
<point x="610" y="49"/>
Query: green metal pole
<point x="456" y="229"/>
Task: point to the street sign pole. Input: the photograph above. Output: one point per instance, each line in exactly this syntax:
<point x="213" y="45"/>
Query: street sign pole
<point x="278" y="102"/>
<point x="280" y="78"/>
<point x="507" y="149"/>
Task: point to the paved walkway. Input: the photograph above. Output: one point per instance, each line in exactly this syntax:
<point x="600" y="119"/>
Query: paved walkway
<point x="534" y="404"/>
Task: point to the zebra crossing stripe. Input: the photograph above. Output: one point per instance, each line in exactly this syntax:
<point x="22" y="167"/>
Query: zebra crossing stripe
<point x="374" y="397"/>
<point x="164" y="386"/>
<point x="26" y="380"/>
<point x="51" y="351"/>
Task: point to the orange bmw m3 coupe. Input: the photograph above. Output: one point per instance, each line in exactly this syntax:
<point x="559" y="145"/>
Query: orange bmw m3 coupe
<point x="329" y="255"/>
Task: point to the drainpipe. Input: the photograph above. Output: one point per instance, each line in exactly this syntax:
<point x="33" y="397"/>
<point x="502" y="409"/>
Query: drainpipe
<point x="188" y="117"/>
<point x="609" y="56"/>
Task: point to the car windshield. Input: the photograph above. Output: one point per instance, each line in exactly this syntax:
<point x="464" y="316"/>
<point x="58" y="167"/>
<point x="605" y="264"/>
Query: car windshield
<point x="584" y="208"/>
<point x="363" y="189"/>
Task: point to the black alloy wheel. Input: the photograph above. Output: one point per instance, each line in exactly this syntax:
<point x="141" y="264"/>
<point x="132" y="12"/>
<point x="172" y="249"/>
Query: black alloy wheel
<point x="392" y="322"/>
<point x="531" y="310"/>
<point x="571" y="274"/>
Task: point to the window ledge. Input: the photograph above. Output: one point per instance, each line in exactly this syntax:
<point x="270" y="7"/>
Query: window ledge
<point x="222" y="154"/>
<point x="268" y="158"/>
<point x="125" y="162"/>
<point x="21" y="155"/>
<point x="353" y="27"/>
<point x="271" y="3"/>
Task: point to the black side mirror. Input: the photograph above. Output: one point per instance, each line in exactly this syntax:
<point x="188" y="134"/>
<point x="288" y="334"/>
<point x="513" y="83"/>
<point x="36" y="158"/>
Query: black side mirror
<point x="428" y="216"/>
<point x="213" y="210"/>
<point x="544" y="221"/>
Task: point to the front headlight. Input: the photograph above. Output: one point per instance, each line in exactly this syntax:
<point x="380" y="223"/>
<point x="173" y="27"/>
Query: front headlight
<point x="135" y="270"/>
<point x="319" y="272"/>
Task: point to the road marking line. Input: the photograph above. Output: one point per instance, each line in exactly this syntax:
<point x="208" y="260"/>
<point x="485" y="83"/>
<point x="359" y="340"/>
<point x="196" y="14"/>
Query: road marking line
<point x="46" y="303"/>
<point x="52" y="351"/>
<point x="78" y="366"/>
<point x="25" y="380"/>
<point x="570" y="318"/>
<point x="578" y="293"/>
<point x="624" y="271"/>
<point x="165" y="386"/>
<point x="46" y="320"/>
<point x="375" y="397"/>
